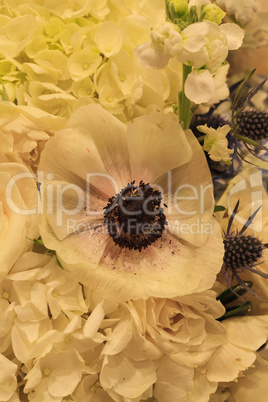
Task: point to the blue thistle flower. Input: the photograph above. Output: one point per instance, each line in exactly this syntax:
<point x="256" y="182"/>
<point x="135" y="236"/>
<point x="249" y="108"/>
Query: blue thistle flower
<point x="242" y="252"/>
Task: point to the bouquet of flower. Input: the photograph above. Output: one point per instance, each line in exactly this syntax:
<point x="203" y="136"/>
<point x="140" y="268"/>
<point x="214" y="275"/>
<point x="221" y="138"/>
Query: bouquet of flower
<point x="134" y="209"/>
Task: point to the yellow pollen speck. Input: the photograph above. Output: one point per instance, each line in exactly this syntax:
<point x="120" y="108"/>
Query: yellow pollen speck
<point x="5" y="295"/>
<point x="108" y="49"/>
<point x="46" y="372"/>
<point x="85" y="66"/>
<point x="93" y="388"/>
<point x="122" y="77"/>
<point x="110" y="99"/>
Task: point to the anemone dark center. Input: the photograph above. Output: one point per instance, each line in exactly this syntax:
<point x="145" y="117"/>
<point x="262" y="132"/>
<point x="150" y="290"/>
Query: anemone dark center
<point x="134" y="217"/>
<point x="242" y="251"/>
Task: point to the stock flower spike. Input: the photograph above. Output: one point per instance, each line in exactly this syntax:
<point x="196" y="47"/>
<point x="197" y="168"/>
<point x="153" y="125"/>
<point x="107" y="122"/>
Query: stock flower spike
<point x="126" y="210"/>
<point x="242" y="251"/>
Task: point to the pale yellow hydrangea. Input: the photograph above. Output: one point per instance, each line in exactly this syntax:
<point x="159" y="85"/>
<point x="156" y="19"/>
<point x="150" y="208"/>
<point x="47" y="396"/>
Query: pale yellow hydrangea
<point x="253" y="384"/>
<point x="24" y="131"/>
<point x="8" y="381"/>
<point x="70" y="343"/>
<point x="56" y="46"/>
<point x="18" y="202"/>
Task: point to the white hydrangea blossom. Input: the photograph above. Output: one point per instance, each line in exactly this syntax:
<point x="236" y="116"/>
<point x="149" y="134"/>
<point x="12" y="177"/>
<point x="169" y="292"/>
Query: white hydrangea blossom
<point x="166" y="42"/>
<point x="16" y="196"/>
<point x="69" y="50"/>
<point x="106" y="351"/>
<point x="24" y="131"/>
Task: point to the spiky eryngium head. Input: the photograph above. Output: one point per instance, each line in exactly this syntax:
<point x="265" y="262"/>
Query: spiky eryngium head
<point x="242" y="252"/>
<point x="252" y="124"/>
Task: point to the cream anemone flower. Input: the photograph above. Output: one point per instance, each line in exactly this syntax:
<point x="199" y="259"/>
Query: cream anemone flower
<point x="128" y="208"/>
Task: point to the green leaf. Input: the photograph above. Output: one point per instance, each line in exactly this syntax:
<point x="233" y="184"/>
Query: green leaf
<point x="58" y="262"/>
<point x="237" y="311"/>
<point x="219" y="208"/>
<point x="37" y="241"/>
<point x="233" y="293"/>
<point x="247" y="140"/>
<point x="53" y="252"/>
<point x="240" y="90"/>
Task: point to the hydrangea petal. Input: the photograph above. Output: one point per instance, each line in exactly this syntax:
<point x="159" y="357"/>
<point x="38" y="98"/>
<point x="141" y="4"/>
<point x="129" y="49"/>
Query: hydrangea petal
<point x="8" y="381"/>
<point x="132" y="377"/>
<point x="109" y="38"/>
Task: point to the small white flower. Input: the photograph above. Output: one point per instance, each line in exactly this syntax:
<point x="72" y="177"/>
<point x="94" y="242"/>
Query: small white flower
<point x="216" y="143"/>
<point x="207" y="44"/>
<point x="243" y="10"/>
<point x="199" y="86"/>
<point x="54" y="376"/>
<point x="166" y="43"/>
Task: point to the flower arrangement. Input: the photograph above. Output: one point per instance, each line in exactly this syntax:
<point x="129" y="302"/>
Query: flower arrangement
<point x="133" y="241"/>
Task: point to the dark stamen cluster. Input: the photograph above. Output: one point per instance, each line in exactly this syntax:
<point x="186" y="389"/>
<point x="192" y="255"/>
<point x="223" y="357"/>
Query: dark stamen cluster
<point x="134" y="217"/>
<point x="241" y="251"/>
<point x="253" y="124"/>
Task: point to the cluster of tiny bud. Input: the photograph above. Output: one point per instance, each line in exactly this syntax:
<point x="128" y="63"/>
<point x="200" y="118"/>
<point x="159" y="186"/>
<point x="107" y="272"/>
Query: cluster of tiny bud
<point x="241" y="251"/>
<point x="252" y="124"/>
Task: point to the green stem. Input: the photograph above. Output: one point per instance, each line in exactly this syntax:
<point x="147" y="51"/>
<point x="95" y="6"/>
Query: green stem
<point x="185" y="114"/>
<point x="247" y="140"/>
